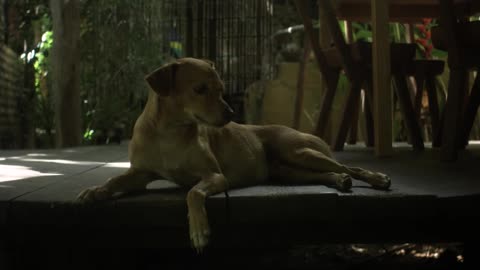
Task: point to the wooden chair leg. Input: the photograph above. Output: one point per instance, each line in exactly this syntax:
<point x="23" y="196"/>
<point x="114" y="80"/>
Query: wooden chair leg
<point x="352" y="135"/>
<point x="297" y="114"/>
<point x="406" y="107"/>
<point x="331" y="80"/>
<point x="453" y="114"/>
<point x="370" y="139"/>
<point x="471" y="112"/>
<point x="352" y="98"/>
<point x="419" y="81"/>
<point x="456" y="84"/>
<point x="438" y="138"/>
<point x="322" y="64"/>
<point x="433" y="109"/>
<point x="368" y="109"/>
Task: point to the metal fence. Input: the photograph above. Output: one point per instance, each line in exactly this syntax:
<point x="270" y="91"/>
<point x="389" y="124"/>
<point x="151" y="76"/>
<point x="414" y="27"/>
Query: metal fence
<point x="235" y="34"/>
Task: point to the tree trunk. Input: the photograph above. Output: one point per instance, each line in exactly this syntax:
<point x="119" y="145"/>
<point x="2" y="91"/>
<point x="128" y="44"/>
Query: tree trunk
<point x="66" y="72"/>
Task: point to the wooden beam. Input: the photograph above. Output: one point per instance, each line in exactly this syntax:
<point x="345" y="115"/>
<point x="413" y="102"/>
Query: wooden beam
<point x="382" y="101"/>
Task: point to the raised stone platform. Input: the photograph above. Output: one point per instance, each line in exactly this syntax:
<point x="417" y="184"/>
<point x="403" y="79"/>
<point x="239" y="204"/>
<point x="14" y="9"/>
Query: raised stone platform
<point x="429" y="201"/>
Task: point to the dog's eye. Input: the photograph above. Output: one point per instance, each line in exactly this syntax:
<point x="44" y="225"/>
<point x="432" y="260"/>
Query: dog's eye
<point x="202" y="89"/>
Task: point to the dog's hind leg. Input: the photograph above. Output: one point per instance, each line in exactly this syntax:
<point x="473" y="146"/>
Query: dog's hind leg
<point x="131" y="181"/>
<point x="286" y="174"/>
<point x="314" y="160"/>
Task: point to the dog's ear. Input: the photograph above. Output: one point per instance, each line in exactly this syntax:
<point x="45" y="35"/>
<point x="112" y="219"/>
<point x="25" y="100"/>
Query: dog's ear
<point x="162" y="80"/>
<point x="211" y="63"/>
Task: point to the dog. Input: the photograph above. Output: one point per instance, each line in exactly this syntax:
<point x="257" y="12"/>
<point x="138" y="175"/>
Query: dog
<point x="185" y="135"/>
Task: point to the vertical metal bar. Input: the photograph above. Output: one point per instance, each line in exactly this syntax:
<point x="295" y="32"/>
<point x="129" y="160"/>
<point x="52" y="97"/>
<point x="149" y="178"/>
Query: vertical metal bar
<point x="199" y="49"/>
<point x="189" y="28"/>
<point x="212" y="30"/>
<point x="229" y="14"/>
<point x="258" y="38"/>
<point x="221" y="35"/>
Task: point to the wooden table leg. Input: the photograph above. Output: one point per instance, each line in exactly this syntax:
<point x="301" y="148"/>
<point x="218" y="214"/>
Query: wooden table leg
<point x="457" y="88"/>
<point x="411" y="121"/>
<point x="382" y="93"/>
<point x="434" y="110"/>
<point x="348" y="110"/>
<point x="453" y="114"/>
<point x="471" y="111"/>
<point x="330" y="78"/>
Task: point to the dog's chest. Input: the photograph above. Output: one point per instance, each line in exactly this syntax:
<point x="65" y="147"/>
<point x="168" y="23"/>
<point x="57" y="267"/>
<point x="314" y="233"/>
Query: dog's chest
<point x="176" y="167"/>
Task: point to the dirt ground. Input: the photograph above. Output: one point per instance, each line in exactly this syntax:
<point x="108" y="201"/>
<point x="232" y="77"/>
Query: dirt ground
<point x="343" y="257"/>
<point x="352" y="256"/>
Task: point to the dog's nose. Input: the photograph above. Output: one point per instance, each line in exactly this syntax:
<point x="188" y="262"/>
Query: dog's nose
<point x="228" y="113"/>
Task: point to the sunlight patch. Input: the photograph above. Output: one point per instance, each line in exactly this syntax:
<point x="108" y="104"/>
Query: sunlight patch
<point x="61" y="161"/>
<point x="37" y="155"/>
<point x="15" y="172"/>
<point x="118" y="165"/>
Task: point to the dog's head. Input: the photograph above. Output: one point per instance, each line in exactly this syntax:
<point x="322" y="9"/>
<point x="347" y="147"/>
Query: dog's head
<point x="196" y="86"/>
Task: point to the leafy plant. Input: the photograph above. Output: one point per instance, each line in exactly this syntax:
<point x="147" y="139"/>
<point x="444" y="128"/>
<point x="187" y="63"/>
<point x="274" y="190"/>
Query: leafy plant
<point x="122" y="41"/>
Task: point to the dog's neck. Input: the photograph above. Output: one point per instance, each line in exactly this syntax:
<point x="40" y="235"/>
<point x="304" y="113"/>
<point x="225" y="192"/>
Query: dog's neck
<point x="168" y="117"/>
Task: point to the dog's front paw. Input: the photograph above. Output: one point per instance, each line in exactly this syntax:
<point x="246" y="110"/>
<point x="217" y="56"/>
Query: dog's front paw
<point x="344" y="182"/>
<point x="199" y="229"/>
<point x="384" y="181"/>
<point x="96" y="193"/>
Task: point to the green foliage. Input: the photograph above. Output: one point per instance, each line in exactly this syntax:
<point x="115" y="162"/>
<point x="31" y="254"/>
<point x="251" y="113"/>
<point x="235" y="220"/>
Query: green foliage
<point x="361" y="31"/>
<point x="41" y="63"/>
<point x="122" y="41"/>
<point x="38" y="58"/>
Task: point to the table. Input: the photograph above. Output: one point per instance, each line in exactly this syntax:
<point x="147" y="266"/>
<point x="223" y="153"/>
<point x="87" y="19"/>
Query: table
<point x="401" y="10"/>
<point x="380" y="12"/>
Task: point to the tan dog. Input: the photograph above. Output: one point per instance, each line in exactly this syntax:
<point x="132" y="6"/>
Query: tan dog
<point x="185" y="135"/>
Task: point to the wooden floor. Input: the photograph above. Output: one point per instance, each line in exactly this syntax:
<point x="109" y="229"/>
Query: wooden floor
<point x="429" y="201"/>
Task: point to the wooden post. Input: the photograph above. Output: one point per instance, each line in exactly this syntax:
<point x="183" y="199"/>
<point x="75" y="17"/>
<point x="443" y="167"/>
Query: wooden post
<point x="382" y="101"/>
<point x="66" y="71"/>
<point x="457" y="87"/>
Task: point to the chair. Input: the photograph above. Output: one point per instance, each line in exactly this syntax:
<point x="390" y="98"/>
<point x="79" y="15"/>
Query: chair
<point x="355" y="60"/>
<point x="425" y="73"/>
<point x="461" y="39"/>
